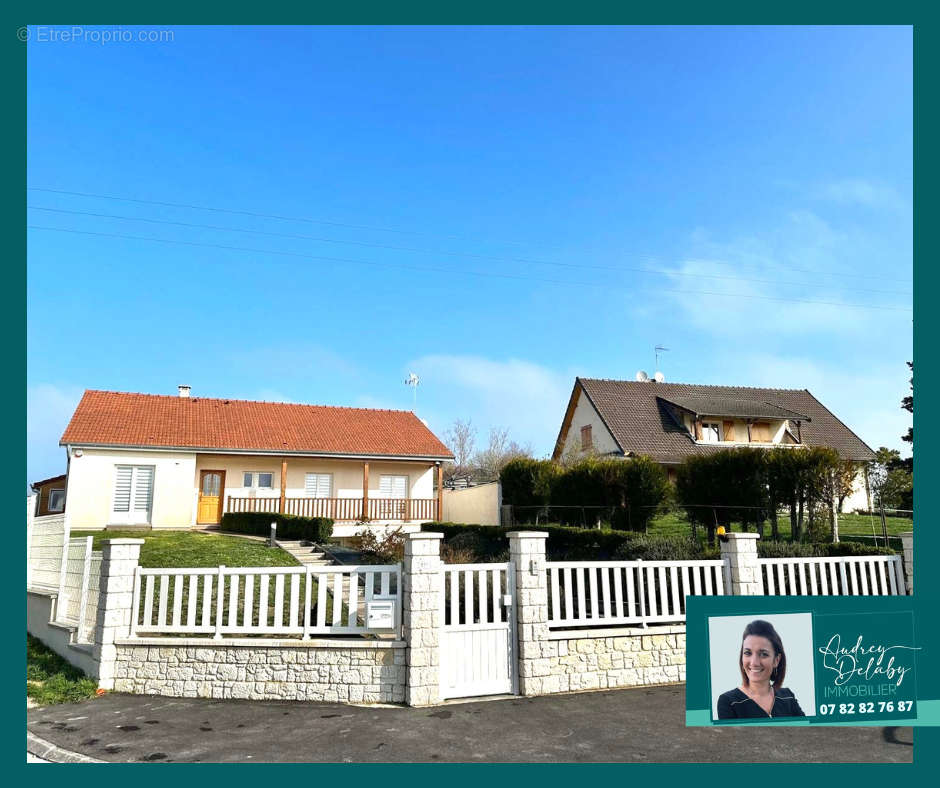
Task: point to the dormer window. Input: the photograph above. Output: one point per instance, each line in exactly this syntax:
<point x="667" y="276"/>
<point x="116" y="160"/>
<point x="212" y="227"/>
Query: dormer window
<point x="711" y="432"/>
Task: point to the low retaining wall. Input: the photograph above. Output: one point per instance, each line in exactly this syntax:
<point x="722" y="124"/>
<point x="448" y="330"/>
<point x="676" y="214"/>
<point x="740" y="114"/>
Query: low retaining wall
<point x="318" y="670"/>
<point x="40" y="611"/>
<point x="591" y="659"/>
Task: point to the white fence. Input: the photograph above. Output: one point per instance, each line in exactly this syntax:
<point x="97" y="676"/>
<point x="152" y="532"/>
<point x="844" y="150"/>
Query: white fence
<point x="876" y="575"/>
<point x="78" y="593"/>
<point x="591" y="593"/>
<point x="45" y="538"/>
<point x="285" y="601"/>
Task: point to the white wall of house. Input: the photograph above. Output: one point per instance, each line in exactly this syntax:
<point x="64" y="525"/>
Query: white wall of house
<point x="91" y="485"/>
<point x="91" y="482"/>
<point x="859" y="497"/>
<point x="584" y="415"/>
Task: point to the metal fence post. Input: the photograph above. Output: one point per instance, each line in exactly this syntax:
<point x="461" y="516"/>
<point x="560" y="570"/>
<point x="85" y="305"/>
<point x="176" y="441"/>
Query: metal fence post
<point x="307" y="593"/>
<point x="272" y="541"/>
<point x="30" y="515"/>
<point x="135" y="603"/>
<point x="83" y="598"/>
<point x="642" y="589"/>
<point x="63" y="566"/>
<point x="219" y="601"/>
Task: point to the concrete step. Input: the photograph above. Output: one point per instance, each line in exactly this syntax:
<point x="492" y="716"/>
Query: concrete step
<point x="305" y="553"/>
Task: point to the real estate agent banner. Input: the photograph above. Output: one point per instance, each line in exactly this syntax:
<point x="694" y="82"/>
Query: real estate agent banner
<point x="805" y="661"/>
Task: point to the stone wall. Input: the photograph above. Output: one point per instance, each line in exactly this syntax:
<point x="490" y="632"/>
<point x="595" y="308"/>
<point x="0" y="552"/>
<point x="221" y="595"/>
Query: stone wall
<point x="593" y="660"/>
<point x="357" y="672"/>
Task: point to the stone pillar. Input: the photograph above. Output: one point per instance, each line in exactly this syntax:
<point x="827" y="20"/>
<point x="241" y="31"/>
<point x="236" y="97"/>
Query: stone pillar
<point x="421" y="617"/>
<point x="739" y="552"/>
<point x="907" y="542"/>
<point x="115" y="601"/>
<point x="527" y="553"/>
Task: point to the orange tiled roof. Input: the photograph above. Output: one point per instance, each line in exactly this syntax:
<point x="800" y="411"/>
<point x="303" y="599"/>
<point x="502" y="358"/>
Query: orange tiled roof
<point x="111" y="418"/>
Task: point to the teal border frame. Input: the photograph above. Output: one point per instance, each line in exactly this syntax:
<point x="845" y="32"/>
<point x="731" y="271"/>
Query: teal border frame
<point x="919" y="14"/>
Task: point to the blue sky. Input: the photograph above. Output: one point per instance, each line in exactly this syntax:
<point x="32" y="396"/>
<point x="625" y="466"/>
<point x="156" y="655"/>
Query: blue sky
<point x="496" y="210"/>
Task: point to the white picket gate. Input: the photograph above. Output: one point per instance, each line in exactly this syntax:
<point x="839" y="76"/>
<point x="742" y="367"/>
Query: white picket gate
<point x="478" y="636"/>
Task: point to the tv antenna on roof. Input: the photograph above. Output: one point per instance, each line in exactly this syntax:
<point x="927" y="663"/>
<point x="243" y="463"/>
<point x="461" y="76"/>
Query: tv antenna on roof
<point x="657" y="350"/>
<point x="413" y="381"/>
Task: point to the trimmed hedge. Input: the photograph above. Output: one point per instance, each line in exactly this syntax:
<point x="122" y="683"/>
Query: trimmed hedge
<point x="820" y="550"/>
<point x="628" y="493"/>
<point x="490" y="543"/>
<point x="527" y="482"/>
<point x="289" y="526"/>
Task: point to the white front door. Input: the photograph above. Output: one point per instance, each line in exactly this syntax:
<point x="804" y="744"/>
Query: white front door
<point x="133" y="494"/>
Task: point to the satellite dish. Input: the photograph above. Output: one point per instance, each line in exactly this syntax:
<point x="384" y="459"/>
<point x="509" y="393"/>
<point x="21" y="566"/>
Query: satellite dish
<point x="642" y="377"/>
<point x="659" y="377"/>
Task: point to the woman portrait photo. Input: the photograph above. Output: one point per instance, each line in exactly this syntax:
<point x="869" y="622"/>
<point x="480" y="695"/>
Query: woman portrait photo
<point x="762" y="662"/>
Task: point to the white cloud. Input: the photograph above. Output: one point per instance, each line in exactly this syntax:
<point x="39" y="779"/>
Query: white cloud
<point x="798" y="279"/>
<point x="526" y="397"/>
<point x="859" y="191"/>
<point x="48" y="410"/>
<point x="730" y="307"/>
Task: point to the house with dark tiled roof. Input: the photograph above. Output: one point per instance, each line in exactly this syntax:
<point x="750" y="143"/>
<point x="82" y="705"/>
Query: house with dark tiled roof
<point x="669" y="422"/>
<point x="183" y="461"/>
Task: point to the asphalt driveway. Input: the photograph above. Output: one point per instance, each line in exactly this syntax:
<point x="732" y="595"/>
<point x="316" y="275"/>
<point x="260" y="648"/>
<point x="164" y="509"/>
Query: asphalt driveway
<point x="644" y="725"/>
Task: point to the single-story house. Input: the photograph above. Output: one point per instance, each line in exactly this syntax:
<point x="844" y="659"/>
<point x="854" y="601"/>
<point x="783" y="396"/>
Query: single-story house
<point x="672" y="421"/>
<point x="50" y="495"/>
<point x="183" y="461"/>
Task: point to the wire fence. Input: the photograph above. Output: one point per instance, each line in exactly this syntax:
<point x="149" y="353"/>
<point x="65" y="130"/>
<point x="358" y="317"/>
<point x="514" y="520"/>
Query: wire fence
<point x="757" y="518"/>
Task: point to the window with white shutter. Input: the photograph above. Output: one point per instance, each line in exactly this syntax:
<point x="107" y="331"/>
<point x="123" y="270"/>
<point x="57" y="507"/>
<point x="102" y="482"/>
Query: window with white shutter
<point x="318" y="485"/>
<point x="133" y="494"/>
<point x="122" y="488"/>
<point x="393" y="486"/>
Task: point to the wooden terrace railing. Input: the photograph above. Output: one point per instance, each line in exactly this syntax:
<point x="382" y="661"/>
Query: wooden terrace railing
<point x="341" y="509"/>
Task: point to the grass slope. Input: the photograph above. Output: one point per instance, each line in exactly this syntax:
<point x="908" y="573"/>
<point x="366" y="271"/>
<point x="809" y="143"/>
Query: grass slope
<point x="50" y="679"/>
<point x="195" y="549"/>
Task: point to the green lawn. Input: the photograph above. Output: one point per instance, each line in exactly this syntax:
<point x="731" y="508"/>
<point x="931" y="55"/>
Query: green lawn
<point x="675" y="524"/>
<point x="50" y="679"/>
<point x="195" y="549"/>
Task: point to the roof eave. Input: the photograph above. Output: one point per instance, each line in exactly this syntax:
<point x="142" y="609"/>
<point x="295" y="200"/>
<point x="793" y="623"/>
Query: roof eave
<point x="262" y="452"/>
